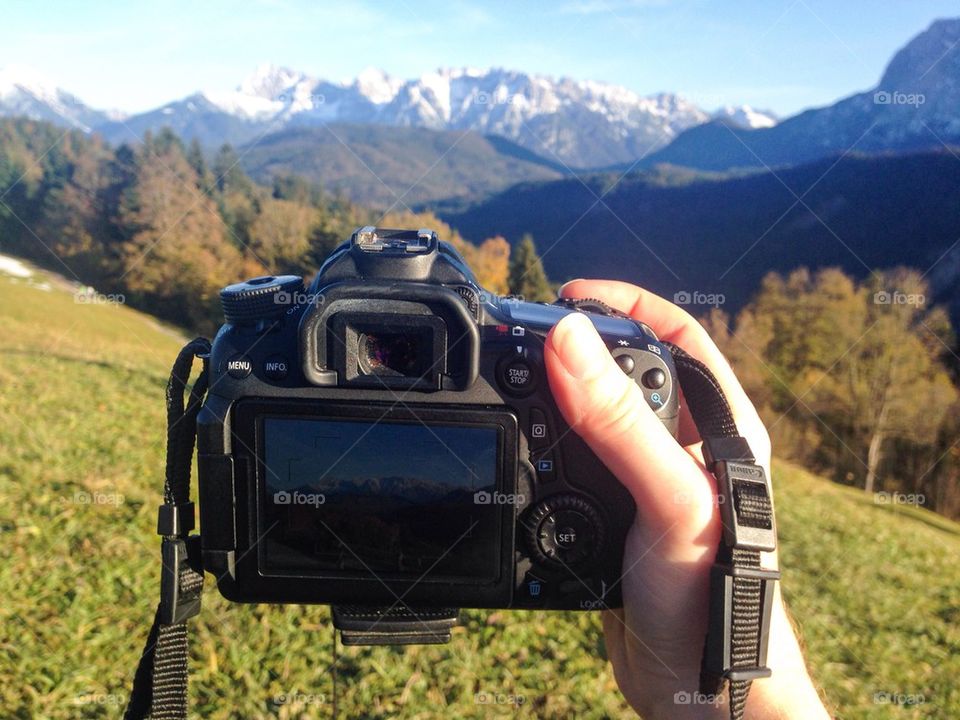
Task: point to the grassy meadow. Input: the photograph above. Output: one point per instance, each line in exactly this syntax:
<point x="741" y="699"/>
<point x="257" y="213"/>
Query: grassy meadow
<point x="875" y="589"/>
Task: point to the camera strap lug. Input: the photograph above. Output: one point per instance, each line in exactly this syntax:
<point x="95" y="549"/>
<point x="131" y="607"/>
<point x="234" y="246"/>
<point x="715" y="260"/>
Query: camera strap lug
<point x="365" y="625"/>
<point x="181" y="579"/>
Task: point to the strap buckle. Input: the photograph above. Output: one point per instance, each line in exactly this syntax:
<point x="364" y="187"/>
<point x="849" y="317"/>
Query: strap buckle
<point x="717" y="655"/>
<point x="744" y="494"/>
<point x="181" y="579"/>
<point x="741" y="592"/>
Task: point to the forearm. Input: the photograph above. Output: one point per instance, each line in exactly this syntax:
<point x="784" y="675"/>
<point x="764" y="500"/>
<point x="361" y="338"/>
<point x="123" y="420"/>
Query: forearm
<point x="788" y="695"/>
<point x="790" y="692"/>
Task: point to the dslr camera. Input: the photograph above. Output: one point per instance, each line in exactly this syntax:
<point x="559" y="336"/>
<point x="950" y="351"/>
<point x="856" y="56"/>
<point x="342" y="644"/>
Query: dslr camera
<point x="387" y="432"/>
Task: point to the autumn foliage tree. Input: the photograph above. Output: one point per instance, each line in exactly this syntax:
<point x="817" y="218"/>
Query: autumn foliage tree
<point x="178" y="254"/>
<point x="168" y="226"/>
<point x="845" y="372"/>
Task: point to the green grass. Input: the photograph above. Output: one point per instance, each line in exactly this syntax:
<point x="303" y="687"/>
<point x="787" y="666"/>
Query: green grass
<point x="876" y="592"/>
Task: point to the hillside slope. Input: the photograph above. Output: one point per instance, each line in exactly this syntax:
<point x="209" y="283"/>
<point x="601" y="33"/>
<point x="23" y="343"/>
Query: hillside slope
<point x="379" y="166"/>
<point x="672" y="230"/>
<point x="81" y="430"/>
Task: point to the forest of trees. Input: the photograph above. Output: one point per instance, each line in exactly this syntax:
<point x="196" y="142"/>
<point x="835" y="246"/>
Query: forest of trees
<point x="854" y="380"/>
<point x="857" y="381"/>
<point x="167" y="227"/>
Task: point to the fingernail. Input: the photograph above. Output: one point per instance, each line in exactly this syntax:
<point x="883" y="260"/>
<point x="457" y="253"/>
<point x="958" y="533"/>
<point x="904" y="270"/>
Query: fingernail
<point x="579" y="347"/>
<point x="566" y="284"/>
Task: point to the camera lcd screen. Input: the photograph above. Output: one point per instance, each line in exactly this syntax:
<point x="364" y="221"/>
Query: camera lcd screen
<point x="360" y="497"/>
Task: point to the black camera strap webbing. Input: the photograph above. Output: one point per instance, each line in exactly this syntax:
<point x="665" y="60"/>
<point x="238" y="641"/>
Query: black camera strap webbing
<point x="160" y="684"/>
<point x="741" y="592"/>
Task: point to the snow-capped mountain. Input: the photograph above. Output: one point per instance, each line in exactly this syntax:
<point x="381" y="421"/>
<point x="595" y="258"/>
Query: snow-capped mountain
<point x="23" y="91"/>
<point x="744" y="116"/>
<point x="578" y="123"/>
<point x="575" y="123"/>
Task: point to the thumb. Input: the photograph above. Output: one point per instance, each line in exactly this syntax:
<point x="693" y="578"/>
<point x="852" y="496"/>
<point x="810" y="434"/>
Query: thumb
<point x="607" y="409"/>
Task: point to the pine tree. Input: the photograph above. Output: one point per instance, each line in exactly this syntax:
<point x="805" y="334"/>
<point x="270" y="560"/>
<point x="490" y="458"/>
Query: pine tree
<point x="527" y="276"/>
<point x="199" y="163"/>
<point x="227" y="171"/>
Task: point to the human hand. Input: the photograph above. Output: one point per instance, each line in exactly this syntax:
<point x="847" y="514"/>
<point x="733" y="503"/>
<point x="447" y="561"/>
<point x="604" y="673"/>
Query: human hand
<point x="655" y="641"/>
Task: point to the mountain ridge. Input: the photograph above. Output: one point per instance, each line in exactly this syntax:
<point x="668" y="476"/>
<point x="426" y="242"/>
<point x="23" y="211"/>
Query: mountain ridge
<point x="580" y="123"/>
<point x="674" y="230"/>
<point x="915" y="105"/>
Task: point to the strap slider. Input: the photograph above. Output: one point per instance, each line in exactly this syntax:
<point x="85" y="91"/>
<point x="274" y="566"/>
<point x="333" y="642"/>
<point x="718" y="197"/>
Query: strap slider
<point x="181" y="579"/>
<point x="746" y="509"/>
<point x="718" y="652"/>
<point x="175" y="520"/>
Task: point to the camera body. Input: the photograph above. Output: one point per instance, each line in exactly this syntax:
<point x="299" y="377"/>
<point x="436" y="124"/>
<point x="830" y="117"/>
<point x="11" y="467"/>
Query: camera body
<point x="387" y="435"/>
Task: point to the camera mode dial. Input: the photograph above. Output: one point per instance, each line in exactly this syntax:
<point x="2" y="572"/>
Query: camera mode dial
<point x="565" y="530"/>
<point x="261" y="298"/>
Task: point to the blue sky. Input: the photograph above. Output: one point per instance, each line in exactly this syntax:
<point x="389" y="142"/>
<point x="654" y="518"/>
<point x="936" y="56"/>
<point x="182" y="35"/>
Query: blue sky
<point x="780" y="54"/>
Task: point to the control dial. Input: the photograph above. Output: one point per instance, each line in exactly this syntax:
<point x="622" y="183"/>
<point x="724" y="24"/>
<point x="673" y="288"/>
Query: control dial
<point x="565" y="530"/>
<point x="589" y="305"/>
<point x="261" y="298"/>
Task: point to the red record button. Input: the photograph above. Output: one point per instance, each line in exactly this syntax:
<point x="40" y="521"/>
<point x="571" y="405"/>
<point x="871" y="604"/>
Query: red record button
<point x="516" y="375"/>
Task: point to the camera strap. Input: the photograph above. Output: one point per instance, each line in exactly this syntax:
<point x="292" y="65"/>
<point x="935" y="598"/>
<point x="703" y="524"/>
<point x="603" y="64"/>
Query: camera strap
<point x="160" y="684"/>
<point x="741" y="592"/>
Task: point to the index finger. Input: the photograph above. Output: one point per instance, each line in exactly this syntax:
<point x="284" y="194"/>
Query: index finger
<point x="675" y="325"/>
